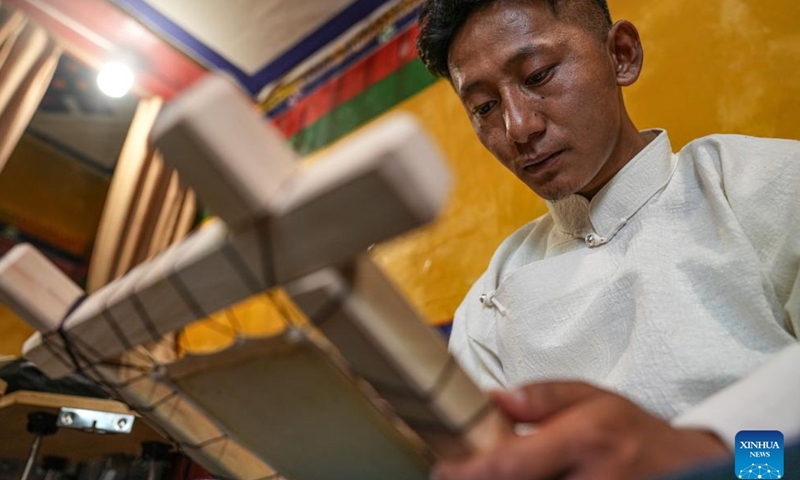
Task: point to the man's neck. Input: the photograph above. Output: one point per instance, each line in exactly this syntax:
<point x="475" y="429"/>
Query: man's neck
<point x="629" y="143"/>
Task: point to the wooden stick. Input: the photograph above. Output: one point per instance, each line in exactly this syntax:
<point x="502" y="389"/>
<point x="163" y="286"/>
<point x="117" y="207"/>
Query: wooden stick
<point x="110" y="234"/>
<point x="165" y="221"/>
<point x="389" y="345"/>
<point x="187" y="216"/>
<point x="139" y="226"/>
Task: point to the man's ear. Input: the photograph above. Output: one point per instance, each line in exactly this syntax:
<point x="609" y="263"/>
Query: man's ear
<point x="625" y="49"/>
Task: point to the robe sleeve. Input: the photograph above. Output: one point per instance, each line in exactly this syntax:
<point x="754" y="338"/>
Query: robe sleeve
<point x="760" y="178"/>
<point x="767" y="399"/>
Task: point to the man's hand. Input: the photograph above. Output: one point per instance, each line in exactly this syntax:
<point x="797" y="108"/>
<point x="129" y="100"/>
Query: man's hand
<point x="582" y="433"/>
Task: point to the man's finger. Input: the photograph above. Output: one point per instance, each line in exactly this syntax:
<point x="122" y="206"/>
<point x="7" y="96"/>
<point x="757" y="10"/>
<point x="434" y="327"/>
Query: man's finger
<point x="562" y="444"/>
<point x="536" y="402"/>
<point x="533" y="457"/>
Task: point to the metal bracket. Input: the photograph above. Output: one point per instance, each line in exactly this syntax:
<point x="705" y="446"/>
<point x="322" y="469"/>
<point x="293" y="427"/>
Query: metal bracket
<point x="95" y="421"/>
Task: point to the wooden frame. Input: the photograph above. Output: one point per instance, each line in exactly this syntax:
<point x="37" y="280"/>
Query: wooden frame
<point x="305" y="226"/>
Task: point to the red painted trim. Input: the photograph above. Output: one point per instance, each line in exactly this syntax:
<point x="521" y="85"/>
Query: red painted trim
<point x="104" y="32"/>
<point x="389" y="58"/>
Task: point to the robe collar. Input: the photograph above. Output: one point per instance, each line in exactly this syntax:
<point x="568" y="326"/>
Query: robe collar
<point x="642" y="178"/>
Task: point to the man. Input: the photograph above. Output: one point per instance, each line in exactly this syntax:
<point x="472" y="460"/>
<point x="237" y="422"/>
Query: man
<point x="668" y="279"/>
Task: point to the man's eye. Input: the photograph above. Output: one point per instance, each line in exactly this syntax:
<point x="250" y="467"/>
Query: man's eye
<point x="539" y="77"/>
<point x="484" y="108"/>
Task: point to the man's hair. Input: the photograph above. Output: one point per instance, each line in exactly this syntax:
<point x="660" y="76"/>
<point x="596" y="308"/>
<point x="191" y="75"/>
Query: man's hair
<point x="440" y="21"/>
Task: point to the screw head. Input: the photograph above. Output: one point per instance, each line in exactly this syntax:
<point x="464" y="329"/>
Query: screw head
<point x="121" y="423"/>
<point x="67" y="418"/>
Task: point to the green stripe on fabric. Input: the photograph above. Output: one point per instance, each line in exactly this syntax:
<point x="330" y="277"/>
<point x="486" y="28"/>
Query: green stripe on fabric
<point x="375" y="100"/>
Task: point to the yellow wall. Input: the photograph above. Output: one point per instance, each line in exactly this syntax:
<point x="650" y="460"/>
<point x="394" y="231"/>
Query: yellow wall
<point x="51" y="196"/>
<point x="730" y="66"/>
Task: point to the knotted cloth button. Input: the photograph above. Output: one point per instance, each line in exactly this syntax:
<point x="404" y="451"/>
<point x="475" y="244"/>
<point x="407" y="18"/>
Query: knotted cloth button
<point x="593" y="240"/>
<point x="489" y="300"/>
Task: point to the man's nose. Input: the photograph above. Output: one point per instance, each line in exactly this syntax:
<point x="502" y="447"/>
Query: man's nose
<point x="522" y="120"/>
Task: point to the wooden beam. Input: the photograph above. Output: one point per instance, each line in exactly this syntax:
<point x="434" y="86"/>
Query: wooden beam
<point x="389" y="344"/>
<point x="147" y="199"/>
<point x="166" y="220"/>
<point x="121" y="192"/>
<point x="186" y="218"/>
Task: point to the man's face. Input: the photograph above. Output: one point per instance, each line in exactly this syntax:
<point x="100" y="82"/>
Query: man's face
<point x="542" y="96"/>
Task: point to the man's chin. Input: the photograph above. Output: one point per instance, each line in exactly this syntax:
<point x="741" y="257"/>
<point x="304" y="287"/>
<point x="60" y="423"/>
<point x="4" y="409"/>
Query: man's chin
<point x="553" y="191"/>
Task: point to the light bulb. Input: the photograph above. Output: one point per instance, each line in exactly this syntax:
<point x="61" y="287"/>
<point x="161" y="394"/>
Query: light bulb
<point x="115" y="79"/>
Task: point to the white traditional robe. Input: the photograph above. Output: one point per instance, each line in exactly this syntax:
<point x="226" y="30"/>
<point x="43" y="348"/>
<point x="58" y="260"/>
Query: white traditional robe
<point x="677" y="280"/>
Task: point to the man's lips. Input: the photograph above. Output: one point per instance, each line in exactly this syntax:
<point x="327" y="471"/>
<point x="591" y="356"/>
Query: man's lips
<point x="540" y="161"/>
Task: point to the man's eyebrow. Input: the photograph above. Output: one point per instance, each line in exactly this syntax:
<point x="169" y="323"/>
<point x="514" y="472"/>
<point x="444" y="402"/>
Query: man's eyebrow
<point x="470" y="87"/>
<point x="523" y="53"/>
